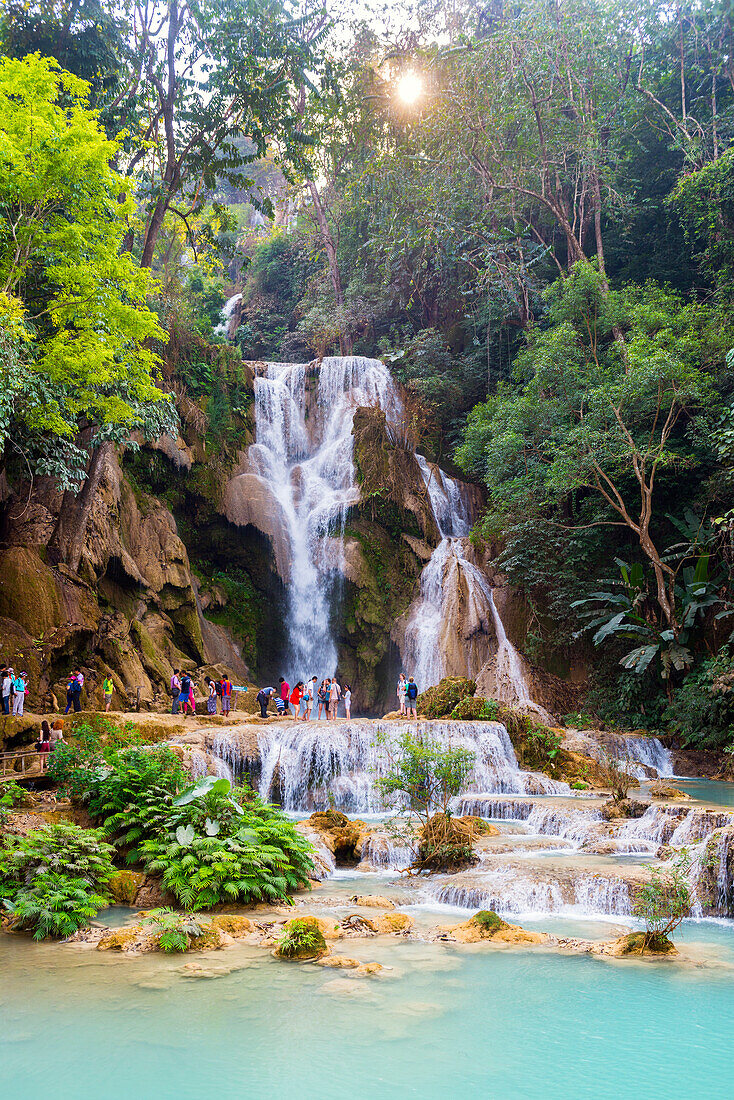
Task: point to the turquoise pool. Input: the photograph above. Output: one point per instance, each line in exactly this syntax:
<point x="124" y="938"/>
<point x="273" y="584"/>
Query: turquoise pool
<point x="445" y="1023"/>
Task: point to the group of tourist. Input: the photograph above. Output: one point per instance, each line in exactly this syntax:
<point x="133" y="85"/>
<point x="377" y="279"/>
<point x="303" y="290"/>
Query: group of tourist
<point x="407" y="696"/>
<point x="49" y="738"/>
<point x="14" y="689"/>
<point x="184" y="699"/>
<point x="302" y="699"/>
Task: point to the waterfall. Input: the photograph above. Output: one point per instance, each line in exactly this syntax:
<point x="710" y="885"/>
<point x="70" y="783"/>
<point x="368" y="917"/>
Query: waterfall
<point x="450" y="625"/>
<point x="540" y="819"/>
<point x="308" y="767"/>
<point x="509" y="891"/>
<point x="639" y="754"/>
<point x="303" y="450"/>
<point x="222" y="329"/>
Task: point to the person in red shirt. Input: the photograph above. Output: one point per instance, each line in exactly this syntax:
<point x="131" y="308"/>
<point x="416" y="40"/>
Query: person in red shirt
<point x="226" y="685"/>
<point x="296" y="696"/>
<point x="284" y="689"/>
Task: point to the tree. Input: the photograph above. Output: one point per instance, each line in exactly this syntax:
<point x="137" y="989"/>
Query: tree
<point x="419" y="771"/>
<point x="75" y="328"/>
<point x="205" y="75"/>
<point x="590" y="431"/>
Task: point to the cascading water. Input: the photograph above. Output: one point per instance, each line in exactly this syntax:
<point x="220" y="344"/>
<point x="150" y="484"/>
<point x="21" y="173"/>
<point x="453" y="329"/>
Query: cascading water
<point x="307" y="766"/>
<point x="303" y="450"/>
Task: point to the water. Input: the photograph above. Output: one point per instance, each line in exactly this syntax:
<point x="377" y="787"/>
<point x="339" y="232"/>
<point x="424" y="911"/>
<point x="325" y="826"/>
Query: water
<point x="303" y="451"/>
<point x="305" y="766"/>
<point x="443" y="1023"/>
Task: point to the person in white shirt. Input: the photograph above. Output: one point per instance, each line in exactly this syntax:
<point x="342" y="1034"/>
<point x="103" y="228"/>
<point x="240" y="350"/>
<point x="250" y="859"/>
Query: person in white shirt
<point x="334" y="696"/>
<point x="7" y="688"/>
<point x="347" y="700"/>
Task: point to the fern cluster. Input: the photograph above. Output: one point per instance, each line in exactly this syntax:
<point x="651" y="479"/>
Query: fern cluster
<point x="174" y="931"/>
<point x="52" y="880"/>
<point x="210" y="853"/>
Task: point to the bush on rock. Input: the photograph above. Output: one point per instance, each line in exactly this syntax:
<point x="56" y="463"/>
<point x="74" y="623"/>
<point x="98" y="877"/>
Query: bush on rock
<point x="301" y="938"/>
<point x="440" y="700"/>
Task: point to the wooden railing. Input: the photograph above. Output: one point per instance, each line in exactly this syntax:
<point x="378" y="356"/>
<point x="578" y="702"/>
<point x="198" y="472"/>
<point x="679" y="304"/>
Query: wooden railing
<point x="16" y="763"/>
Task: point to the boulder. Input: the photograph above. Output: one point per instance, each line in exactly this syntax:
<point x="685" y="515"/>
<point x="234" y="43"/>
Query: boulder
<point x="487" y="925"/>
<point x="373" y="901"/>
<point x="627" y="807"/>
<point x="124" y="886"/>
<point x="661" y="789"/>
<point x="302" y="938"/>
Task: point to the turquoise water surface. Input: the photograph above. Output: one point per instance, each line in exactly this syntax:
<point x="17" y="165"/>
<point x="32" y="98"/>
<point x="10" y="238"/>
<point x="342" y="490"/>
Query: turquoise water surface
<point x="444" y="1022"/>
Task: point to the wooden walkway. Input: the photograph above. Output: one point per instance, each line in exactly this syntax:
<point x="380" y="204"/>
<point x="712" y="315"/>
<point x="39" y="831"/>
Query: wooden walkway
<point x="21" y="763"/>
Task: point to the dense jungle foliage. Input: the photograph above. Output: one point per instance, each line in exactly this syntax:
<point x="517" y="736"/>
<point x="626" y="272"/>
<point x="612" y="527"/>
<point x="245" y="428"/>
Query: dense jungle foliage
<point x="538" y="242"/>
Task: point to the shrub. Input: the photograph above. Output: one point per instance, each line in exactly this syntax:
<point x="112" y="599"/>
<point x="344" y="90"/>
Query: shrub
<point x="61" y="850"/>
<point x="663" y="902"/>
<point x="579" y="785"/>
<point x="76" y="770"/>
<point x="12" y="795"/>
<point x="440" y="700"/>
<point x="301" y="938"/>
<point x="133" y="772"/>
<point x="54" y="905"/>
<point x="489" y="922"/>
<point x="174" y="930"/>
<point x="473" y="709"/>
<point x="213" y="849"/>
<point x="541" y="748"/>
<point x="615" y="773"/>
<point x="702" y="709"/>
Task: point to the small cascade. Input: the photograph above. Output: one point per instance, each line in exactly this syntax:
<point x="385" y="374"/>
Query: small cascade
<point x="303" y="453"/>
<point x="678" y="826"/>
<point x="307" y="767"/>
<point x="539" y="818"/>
<point x="510" y="891"/>
<point x="223" y="328"/>
<point x="640" y="755"/>
<point x="383" y="853"/>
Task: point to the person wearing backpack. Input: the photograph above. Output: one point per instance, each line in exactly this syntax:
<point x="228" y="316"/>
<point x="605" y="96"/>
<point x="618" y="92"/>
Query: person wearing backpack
<point x="7" y="688"/>
<point x="74" y="694"/>
<point x="411" y="697"/>
<point x="19" y="687"/>
<point x="185" y="691"/>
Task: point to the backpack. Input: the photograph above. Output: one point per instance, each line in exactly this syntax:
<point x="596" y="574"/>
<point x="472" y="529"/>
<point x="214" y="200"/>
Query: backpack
<point x="218" y="687"/>
<point x="185" y="685"/>
<point x="75" y="687"/>
<point x="412" y="691"/>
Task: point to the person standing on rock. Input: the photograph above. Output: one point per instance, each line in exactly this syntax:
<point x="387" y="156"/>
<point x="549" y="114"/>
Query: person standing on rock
<point x="57" y="733"/>
<point x="263" y="697"/>
<point x="176" y="691"/>
<point x="19" y="690"/>
<point x="411" y="697"/>
<point x="309" y="697"/>
<point x="7" y="687"/>
<point x="211" y="702"/>
<point x="226" y="685"/>
<point x="296" y="696"/>
<point x="402" y="685"/>
<point x="323" y="697"/>
<point x="107" y="688"/>
<point x="284" y="687"/>
<point x="334" y="696"/>
<point x="43" y="744"/>
<point x="347" y="701"/>
<point x="185" y="692"/>
<point x="192" y="699"/>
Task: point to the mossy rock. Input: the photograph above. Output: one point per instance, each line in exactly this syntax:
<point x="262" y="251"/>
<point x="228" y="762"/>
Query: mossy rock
<point x="327" y="820"/>
<point x="489" y="922"/>
<point x="233" y="925"/>
<point x="118" y="939"/>
<point x="124" y="886"/>
<point x="209" y="940"/>
<point x="643" y="943"/>
<point x="439" y="701"/>
<point x="302" y="938"/>
<point x="476" y="709"/>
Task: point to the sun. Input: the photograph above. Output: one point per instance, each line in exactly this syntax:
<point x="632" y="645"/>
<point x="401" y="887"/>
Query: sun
<point x="410" y="87"/>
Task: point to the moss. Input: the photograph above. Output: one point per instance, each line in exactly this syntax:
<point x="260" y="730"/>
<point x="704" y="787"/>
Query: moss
<point x="489" y="922"/>
<point x="124" y="886"/>
<point x="30" y="594"/>
<point x="476" y="709"/>
<point x="232" y="925"/>
<point x="439" y="701"/>
<point x="646" y="943"/>
<point x="117" y="939"/>
<point x="153" y="662"/>
<point x="209" y="940"/>
<point x="302" y="938"/>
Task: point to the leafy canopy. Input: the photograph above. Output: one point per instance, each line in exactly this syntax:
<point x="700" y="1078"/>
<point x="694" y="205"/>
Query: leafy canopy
<point x="75" y="330"/>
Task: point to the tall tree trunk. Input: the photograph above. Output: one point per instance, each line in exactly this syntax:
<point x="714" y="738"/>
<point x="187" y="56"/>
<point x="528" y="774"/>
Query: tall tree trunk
<point x="345" y="342"/>
<point x="67" y="540"/>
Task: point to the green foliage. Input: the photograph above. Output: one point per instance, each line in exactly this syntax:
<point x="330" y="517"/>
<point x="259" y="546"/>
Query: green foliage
<point x="54" y="904"/>
<point x="476" y="710"/>
<point x="702" y="709"/>
<point x="488" y="921"/>
<point x="664" y="901"/>
<point x="174" y="930"/>
<point x="82" y="327"/>
<point x="421" y="771"/>
<point x="440" y="700"/>
<point x="541" y="748"/>
<point x="214" y="849"/>
<point x="301" y="938"/>
<point x="61" y="849"/>
<point x="12" y="795"/>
